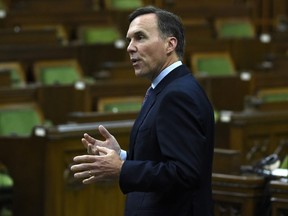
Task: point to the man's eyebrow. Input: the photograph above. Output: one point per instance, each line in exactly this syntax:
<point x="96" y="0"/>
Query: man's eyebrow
<point x="136" y="33"/>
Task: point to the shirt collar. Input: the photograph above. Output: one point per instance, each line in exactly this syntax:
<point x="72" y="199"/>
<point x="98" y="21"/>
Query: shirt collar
<point x="164" y="73"/>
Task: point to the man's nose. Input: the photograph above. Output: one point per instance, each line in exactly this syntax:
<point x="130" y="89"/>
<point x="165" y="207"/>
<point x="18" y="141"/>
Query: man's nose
<point x="130" y="47"/>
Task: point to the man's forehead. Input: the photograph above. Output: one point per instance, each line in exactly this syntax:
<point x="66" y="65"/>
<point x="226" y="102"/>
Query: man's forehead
<point x="143" y="23"/>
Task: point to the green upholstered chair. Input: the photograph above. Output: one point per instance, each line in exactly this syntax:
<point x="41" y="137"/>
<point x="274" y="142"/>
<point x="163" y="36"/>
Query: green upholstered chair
<point x="6" y="191"/>
<point x="284" y="164"/>
<point x="212" y="64"/>
<point x="17" y="74"/>
<point x="19" y="119"/>
<point x="5" y="179"/>
<point x="120" y="104"/>
<point x="273" y="95"/>
<point x="235" y="28"/>
<point x="123" y="4"/>
<point x="98" y="34"/>
<point x="60" y="72"/>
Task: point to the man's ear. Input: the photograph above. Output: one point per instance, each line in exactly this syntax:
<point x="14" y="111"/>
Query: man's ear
<point x="171" y="44"/>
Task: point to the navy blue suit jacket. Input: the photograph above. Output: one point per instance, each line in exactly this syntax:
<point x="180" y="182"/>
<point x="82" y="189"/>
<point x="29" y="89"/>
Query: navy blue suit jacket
<point x="168" y="169"/>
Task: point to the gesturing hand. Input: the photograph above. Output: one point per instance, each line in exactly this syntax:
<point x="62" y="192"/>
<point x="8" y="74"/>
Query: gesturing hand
<point x="90" y="143"/>
<point x="93" y="168"/>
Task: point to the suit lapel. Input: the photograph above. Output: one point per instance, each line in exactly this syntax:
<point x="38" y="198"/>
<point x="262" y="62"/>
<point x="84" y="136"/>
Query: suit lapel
<point x="142" y="115"/>
<point x="178" y="72"/>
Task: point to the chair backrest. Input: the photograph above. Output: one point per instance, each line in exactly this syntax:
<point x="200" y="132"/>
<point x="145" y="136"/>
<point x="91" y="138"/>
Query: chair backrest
<point x="234" y="28"/>
<point x="6" y="180"/>
<point x="120" y="104"/>
<point x="19" y="119"/>
<point x="284" y="163"/>
<point x="95" y="34"/>
<point x="50" y="72"/>
<point x="273" y="95"/>
<point x="213" y="64"/>
<point x="17" y="74"/>
<point x="123" y="4"/>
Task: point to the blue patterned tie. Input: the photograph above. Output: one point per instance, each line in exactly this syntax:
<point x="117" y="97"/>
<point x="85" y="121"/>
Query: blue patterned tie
<point x="148" y="92"/>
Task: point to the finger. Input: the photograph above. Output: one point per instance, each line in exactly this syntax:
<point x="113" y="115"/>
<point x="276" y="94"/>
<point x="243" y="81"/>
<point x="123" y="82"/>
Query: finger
<point x="89" y="180"/>
<point x="83" y="175"/>
<point x="103" y="150"/>
<point x="85" y="143"/>
<point x="90" y="149"/>
<point x="104" y="132"/>
<point x="84" y="159"/>
<point x="89" y="138"/>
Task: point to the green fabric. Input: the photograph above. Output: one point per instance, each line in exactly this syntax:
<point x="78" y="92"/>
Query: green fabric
<point x="122" y="107"/>
<point x="284" y="164"/>
<point x="101" y="35"/>
<point x="216" y="66"/>
<point x="15" y="78"/>
<point x="59" y="75"/>
<point x="5" y="180"/>
<point x="2" y="5"/>
<point x="18" y="122"/>
<point x="277" y="97"/>
<point x="126" y="4"/>
<point x="236" y="30"/>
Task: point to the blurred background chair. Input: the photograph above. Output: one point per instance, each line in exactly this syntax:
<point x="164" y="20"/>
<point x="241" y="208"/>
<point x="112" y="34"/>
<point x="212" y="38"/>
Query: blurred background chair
<point x="95" y="34"/>
<point x="212" y="64"/>
<point x="234" y="28"/>
<point x="19" y="119"/>
<point x="120" y="104"/>
<point x="123" y="4"/>
<point x="16" y="73"/>
<point x="51" y="72"/>
<point x="6" y="191"/>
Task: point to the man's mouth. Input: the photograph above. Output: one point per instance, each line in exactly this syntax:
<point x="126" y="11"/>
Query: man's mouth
<point x="134" y="61"/>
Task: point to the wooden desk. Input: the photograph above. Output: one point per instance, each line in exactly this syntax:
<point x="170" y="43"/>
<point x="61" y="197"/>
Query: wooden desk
<point x="257" y="134"/>
<point x="89" y="117"/>
<point x="40" y="167"/>
<point x="24" y="158"/>
<point x="117" y="88"/>
<point x="5" y="80"/>
<point x="226" y="92"/>
<point x="279" y="197"/>
<point x="17" y="95"/>
<point x="57" y="101"/>
<point x="237" y="195"/>
<point x="67" y="196"/>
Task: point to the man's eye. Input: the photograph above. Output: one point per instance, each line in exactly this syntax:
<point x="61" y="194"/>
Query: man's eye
<point x="140" y="37"/>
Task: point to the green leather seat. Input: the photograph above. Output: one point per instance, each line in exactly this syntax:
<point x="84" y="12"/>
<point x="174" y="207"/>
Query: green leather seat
<point x="125" y="4"/>
<point x="62" y="72"/>
<point x="59" y="75"/>
<point x="120" y="104"/>
<point x="213" y="64"/>
<point x="18" y="121"/>
<point x="235" y="28"/>
<point x="99" y="34"/>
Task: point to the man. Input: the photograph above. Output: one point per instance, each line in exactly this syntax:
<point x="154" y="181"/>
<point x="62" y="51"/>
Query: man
<point x="167" y="170"/>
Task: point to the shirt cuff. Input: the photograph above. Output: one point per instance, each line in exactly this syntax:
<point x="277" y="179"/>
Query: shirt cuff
<point x="123" y="154"/>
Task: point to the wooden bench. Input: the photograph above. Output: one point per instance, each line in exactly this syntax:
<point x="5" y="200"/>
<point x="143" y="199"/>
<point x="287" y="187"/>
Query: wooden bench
<point x="279" y="200"/>
<point x="23" y="94"/>
<point x="62" y="144"/>
<point x="257" y="134"/>
<point x="24" y="157"/>
<point x="235" y="194"/>
<point x="44" y="178"/>
<point x="5" y="80"/>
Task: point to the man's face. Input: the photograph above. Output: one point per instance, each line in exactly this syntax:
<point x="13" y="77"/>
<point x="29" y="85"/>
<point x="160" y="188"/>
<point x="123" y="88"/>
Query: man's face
<point x="146" y="48"/>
